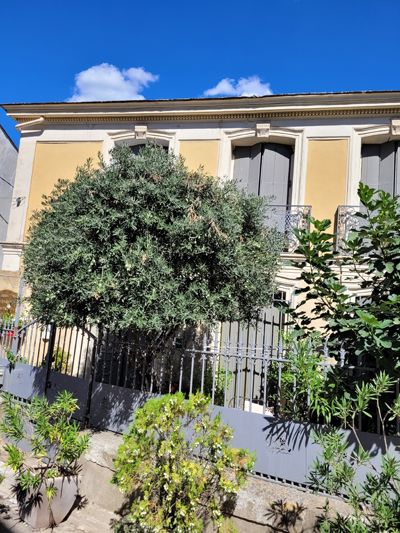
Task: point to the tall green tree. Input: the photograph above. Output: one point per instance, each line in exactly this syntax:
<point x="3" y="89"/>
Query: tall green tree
<point x="369" y="259"/>
<point x="143" y="243"/>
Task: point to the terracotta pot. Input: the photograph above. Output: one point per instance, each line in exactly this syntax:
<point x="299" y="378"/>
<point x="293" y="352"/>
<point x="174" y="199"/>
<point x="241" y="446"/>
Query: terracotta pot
<point x="36" y="510"/>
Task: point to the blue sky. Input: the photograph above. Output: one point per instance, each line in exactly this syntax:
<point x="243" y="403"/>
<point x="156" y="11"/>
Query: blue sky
<point x="167" y="49"/>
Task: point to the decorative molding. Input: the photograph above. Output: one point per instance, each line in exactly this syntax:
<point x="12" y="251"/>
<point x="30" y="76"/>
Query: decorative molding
<point x="262" y="130"/>
<point x="395" y="128"/>
<point x="372" y="131"/>
<point x="13" y="248"/>
<point x="218" y="116"/>
<point x="140" y="132"/>
<point x="134" y="135"/>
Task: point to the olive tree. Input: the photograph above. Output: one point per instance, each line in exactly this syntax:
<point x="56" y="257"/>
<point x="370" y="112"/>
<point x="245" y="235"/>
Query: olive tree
<point x="142" y="243"/>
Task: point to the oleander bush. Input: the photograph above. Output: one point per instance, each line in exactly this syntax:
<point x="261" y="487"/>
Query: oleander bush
<point x="375" y="498"/>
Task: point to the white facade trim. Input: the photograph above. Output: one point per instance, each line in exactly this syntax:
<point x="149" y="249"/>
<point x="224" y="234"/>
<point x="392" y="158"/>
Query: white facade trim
<point x="377" y="133"/>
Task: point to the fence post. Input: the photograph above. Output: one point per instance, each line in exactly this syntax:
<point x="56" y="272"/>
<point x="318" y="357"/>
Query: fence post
<point x="49" y="356"/>
<point x="93" y="364"/>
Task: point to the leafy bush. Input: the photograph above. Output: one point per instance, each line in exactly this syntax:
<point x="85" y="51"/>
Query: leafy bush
<point x="309" y="381"/>
<point x="367" y="329"/>
<point x="176" y="466"/>
<point x="54" y="439"/>
<point x="375" y="501"/>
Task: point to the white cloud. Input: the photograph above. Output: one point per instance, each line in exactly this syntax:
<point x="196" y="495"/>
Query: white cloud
<point x="107" y="82"/>
<point x="251" y="86"/>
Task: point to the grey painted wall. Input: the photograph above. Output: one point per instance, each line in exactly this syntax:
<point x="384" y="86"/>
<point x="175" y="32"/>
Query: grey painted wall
<point x="8" y="163"/>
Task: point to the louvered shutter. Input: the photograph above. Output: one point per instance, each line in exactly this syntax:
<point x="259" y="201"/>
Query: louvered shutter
<point x="370" y="165"/>
<point x="254" y="170"/>
<point x="387" y="167"/>
<point x="241" y="166"/>
<point x="275" y="172"/>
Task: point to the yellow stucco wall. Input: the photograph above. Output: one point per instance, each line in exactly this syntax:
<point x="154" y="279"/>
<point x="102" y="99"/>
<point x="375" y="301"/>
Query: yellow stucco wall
<point x="54" y="161"/>
<point x="326" y="183"/>
<point x="201" y="153"/>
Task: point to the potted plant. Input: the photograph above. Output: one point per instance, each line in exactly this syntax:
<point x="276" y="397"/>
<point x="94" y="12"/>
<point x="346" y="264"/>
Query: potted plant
<point x="43" y="446"/>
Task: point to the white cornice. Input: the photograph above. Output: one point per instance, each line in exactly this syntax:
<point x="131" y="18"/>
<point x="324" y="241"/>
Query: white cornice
<point x="347" y="104"/>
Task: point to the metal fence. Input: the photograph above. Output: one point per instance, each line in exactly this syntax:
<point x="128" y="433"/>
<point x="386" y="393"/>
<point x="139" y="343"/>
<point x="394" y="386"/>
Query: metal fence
<point x="29" y="341"/>
<point x="241" y="366"/>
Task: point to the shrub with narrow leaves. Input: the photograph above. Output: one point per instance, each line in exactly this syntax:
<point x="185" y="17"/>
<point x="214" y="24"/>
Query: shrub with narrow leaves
<point x="54" y="439"/>
<point x="375" y="501"/>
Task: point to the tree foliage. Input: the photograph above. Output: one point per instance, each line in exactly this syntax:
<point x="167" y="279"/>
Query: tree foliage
<point x="369" y="258"/>
<point x="143" y="243"/>
<point x="176" y="466"/>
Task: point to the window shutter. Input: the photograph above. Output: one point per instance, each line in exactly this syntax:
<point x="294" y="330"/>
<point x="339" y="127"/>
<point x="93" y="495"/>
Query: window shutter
<point x="370" y="164"/>
<point x="254" y="170"/>
<point x="276" y="172"/>
<point x="241" y="165"/>
<point x="387" y="167"/>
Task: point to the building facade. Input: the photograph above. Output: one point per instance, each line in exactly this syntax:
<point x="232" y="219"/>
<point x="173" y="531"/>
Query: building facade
<point x="307" y="152"/>
<point x="8" y="163"/>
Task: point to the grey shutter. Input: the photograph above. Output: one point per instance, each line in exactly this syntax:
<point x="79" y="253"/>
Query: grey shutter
<point x="370" y="163"/>
<point x="276" y="172"/>
<point x="241" y="165"/>
<point x="386" y="167"/>
<point x="253" y="185"/>
<point x="379" y="166"/>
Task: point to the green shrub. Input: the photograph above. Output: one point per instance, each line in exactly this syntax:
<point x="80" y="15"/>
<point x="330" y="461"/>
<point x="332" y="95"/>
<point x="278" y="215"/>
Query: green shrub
<point x="55" y="442"/>
<point x="308" y="380"/>
<point x="368" y="328"/>
<point x="375" y="501"/>
<point x="177" y="468"/>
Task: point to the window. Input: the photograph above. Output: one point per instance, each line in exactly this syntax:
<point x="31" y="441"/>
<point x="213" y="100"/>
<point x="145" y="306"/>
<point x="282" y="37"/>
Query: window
<point x="135" y="148"/>
<point x="265" y="169"/>
<point x="380" y="167"/>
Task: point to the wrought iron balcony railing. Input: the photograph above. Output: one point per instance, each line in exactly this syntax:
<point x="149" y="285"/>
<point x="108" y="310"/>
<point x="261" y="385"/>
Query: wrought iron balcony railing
<point x="346" y="221"/>
<point x="286" y="218"/>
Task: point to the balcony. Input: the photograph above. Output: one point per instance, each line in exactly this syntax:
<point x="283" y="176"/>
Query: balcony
<point x="287" y="218"/>
<point x="345" y="222"/>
